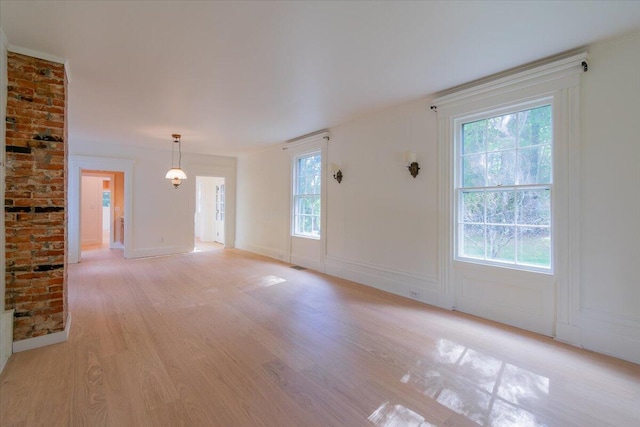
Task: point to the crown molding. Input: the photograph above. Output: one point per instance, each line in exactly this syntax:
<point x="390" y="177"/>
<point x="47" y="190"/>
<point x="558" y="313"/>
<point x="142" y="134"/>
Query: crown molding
<point x="570" y="64"/>
<point x="36" y="54"/>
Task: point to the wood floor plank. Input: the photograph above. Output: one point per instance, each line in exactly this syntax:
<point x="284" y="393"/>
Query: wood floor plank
<point x="228" y="338"/>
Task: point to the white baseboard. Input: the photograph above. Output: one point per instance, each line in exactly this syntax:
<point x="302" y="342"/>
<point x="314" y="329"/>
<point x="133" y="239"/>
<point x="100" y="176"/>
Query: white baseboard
<point x="610" y="336"/>
<point x="568" y="334"/>
<point x="310" y="263"/>
<point x="407" y="284"/>
<point x="116" y="245"/>
<point x="6" y="337"/>
<point x="160" y="251"/>
<point x="55" y="338"/>
<point x="262" y="250"/>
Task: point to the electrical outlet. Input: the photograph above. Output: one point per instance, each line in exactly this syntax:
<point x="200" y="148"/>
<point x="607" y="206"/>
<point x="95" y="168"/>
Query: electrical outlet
<point x="414" y="294"/>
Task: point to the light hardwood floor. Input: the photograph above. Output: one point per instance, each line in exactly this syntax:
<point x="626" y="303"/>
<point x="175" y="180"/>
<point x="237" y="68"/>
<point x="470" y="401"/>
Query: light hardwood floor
<point x="226" y="338"/>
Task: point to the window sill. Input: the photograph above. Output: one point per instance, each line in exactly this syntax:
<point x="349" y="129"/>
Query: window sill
<point x="471" y="263"/>
<point x="306" y="236"/>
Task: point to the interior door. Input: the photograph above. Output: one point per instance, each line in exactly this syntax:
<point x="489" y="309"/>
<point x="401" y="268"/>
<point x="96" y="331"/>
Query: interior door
<point x="91" y="211"/>
<point x="220" y="211"/>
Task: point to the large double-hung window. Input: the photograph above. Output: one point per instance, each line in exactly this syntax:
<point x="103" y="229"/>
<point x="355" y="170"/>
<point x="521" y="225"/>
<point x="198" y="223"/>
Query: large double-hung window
<point x="504" y="175"/>
<point x="307" y="195"/>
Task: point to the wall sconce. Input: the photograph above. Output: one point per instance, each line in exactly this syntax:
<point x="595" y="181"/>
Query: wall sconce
<point x="176" y="174"/>
<point x="410" y="159"/>
<point x="337" y="173"/>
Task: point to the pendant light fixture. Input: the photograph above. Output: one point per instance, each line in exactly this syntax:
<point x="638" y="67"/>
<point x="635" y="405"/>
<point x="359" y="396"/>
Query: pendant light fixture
<point x="176" y="174"/>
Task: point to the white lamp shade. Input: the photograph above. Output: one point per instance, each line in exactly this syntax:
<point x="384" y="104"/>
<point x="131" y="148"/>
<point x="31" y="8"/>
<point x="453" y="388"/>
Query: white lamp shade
<point x="333" y="168"/>
<point x="410" y="157"/>
<point x="176" y="173"/>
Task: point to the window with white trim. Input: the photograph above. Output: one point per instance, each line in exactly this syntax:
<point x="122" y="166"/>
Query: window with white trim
<point x="307" y="174"/>
<point x="504" y="183"/>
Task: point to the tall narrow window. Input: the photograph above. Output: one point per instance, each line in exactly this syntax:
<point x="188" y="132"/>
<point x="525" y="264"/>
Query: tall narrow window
<point x="504" y="188"/>
<point x="306" y="195"/>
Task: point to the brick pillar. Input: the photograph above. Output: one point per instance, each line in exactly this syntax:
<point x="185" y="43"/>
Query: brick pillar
<point x="35" y="196"/>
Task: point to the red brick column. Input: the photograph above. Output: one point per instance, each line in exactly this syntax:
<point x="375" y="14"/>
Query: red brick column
<point x="35" y="196"/>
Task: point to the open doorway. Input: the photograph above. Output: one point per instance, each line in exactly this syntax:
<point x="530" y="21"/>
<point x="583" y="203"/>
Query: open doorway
<point x="101" y="210"/>
<point x="210" y="213"/>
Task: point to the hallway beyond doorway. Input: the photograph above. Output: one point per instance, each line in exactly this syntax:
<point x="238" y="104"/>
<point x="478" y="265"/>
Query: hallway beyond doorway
<point x="209" y="218"/>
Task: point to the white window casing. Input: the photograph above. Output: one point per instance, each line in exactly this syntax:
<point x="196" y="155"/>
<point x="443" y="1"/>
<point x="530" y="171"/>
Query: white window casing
<point x="540" y="300"/>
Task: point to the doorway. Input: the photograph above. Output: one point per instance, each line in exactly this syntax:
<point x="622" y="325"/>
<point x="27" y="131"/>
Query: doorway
<point x="101" y="210"/>
<point x="210" y="213"/>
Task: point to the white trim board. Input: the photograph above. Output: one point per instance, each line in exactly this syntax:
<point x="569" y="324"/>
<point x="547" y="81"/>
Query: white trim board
<point x="36" y="54"/>
<point x="162" y="251"/>
<point x="264" y="251"/>
<point x="6" y="336"/>
<point x="55" y="338"/>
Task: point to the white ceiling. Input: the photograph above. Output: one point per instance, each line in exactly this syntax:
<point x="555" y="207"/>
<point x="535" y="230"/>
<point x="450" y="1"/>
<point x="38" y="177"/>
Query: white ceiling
<point x="235" y="76"/>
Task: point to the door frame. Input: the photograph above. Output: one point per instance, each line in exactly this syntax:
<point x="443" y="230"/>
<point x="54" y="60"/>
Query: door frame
<point x="229" y="175"/>
<point x="76" y="165"/>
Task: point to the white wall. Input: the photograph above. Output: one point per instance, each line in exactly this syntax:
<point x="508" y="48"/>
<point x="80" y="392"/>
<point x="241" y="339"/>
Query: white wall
<point x="263" y="203"/>
<point x="382" y="224"/>
<point x="380" y="216"/>
<point x="161" y="217"/>
<point x="608" y="299"/>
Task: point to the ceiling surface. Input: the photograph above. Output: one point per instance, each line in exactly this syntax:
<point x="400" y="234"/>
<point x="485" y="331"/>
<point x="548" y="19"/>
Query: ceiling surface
<point x="238" y="76"/>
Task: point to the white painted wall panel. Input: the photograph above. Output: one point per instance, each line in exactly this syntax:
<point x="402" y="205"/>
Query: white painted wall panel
<point x="263" y="203"/>
<point x="607" y="300"/>
<point x="380" y="214"/>
<point x="610" y="273"/>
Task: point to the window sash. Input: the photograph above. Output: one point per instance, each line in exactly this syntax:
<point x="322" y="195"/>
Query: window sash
<point x="300" y="225"/>
<point x="307" y="187"/>
<point x="515" y="232"/>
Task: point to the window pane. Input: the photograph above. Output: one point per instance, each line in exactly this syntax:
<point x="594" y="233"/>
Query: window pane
<point x="473" y="169"/>
<point x="305" y="220"/>
<point x="500" y="207"/>
<point x="472" y="241"/>
<point x="534" y="207"/>
<point x="473" y="136"/>
<point x="473" y="206"/>
<point x="314" y="184"/>
<point x="534" y="165"/>
<point x="300" y="185"/>
<point x="500" y="243"/>
<point x="534" y="246"/>
<point x="501" y="132"/>
<point x="535" y="126"/>
<point x="306" y="214"/>
<point x="309" y="207"/>
<point x="501" y="168"/>
<point x="497" y="156"/>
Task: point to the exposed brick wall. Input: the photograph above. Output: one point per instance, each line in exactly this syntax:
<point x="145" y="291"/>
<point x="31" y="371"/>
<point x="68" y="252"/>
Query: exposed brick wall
<point x="35" y="196"/>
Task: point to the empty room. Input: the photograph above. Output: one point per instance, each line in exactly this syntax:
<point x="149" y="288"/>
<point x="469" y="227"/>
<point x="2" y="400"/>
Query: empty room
<point x="320" y="213"/>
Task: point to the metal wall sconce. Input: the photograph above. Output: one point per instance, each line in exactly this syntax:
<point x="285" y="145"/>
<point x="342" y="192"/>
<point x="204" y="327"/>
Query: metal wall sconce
<point x="410" y="159"/>
<point x="337" y="173"/>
